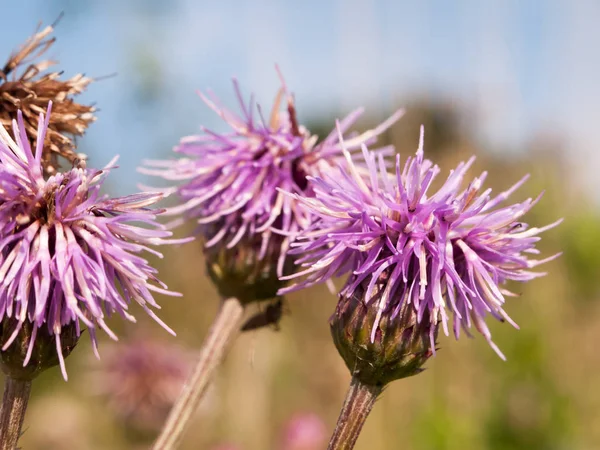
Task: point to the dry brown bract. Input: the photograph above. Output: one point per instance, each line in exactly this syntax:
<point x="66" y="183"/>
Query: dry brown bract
<point x="31" y="88"/>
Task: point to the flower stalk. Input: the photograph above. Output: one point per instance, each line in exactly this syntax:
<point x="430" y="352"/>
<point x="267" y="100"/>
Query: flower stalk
<point x="220" y="336"/>
<point x="357" y="406"/>
<point x="12" y="412"/>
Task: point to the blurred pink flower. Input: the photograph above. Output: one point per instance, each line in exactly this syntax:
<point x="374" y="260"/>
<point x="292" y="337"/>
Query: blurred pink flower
<point x="141" y="380"/>
<point x="304" y="432"/>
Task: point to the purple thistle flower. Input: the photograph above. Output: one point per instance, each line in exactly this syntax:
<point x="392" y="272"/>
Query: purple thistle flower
<point x="442" y="254"/>
<point x="68" y="254"/>
<point x="231" y="180"/>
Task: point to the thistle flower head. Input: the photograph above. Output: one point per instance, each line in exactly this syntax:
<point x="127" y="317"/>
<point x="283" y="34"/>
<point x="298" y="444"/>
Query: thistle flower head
<point x="141" y="380"/>
<point x="68" y="255"/>
<point x="28" y="86"/>
<point x="231" y="181"/>
<point x="446" y="255"/>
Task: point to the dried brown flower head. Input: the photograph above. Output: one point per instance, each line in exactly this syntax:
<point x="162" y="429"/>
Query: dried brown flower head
<point x="26" y="84"/>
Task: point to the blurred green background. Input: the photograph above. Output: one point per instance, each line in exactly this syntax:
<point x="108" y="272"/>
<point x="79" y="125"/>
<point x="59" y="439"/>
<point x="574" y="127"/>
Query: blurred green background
<point x="544" y="397"/>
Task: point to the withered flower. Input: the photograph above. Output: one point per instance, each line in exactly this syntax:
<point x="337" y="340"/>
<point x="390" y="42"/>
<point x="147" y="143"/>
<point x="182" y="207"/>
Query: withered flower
<point x="27" y="84"/>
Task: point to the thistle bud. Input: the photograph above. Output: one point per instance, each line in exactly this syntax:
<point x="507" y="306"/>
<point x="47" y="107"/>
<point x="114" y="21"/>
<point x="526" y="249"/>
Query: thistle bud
<point x="397" y="348"/>
<point x="245" y="271"/>
<point x="33" y="350"/>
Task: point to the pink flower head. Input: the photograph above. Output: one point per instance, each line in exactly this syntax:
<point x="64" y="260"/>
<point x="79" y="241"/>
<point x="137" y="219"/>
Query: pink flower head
<point x="447" y="254"/>
<point x="70" y="255"/>
<point x="231" y="180"/>
<point x="304" y="432"/>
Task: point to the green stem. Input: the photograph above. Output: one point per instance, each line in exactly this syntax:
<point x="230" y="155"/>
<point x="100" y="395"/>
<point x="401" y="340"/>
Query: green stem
<point x="221" y="333"/>
<point x="12" y="412"/>
<point x="357" y="406"/>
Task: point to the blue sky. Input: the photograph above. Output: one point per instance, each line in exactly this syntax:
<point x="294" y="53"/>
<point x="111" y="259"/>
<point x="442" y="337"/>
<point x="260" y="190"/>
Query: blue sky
<point x="522" y="67"/>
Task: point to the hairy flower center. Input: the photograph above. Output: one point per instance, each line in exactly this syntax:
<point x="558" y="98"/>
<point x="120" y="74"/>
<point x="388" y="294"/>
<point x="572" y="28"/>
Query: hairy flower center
<point x="45" y="208"/>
